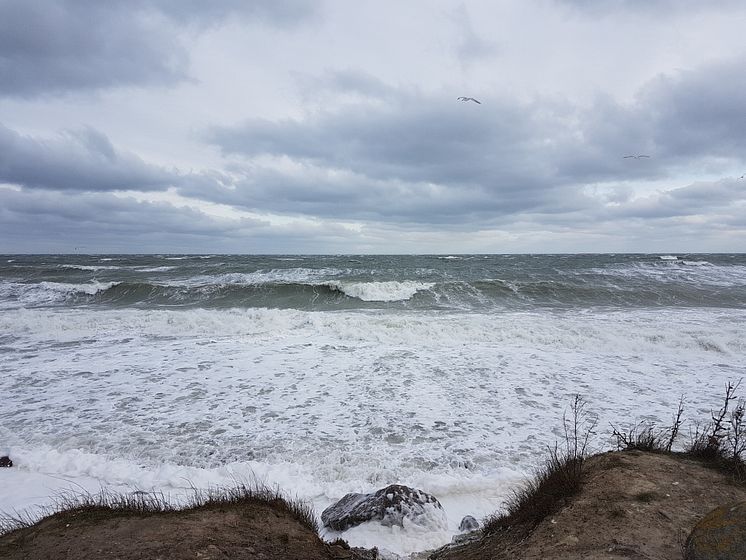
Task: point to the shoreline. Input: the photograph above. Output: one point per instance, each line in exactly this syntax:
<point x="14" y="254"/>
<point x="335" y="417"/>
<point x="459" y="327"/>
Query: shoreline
<point x="631" y="501"/>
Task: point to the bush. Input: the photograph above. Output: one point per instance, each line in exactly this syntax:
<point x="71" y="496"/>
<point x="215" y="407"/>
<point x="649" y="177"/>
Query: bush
<point x="556" y="480"/>
<point x="645" y="437"/>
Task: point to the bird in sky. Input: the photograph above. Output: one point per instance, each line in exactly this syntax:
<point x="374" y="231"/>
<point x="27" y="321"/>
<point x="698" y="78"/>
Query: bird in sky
<point x="462" y="98"/>
<point x="742" y="177"/>
<point x="639" y="156"/>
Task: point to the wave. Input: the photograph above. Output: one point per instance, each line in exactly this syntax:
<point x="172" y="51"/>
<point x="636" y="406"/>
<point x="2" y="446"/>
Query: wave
<point x="272" y="276"/>
<point x="47" y="293"/>
<point x="637" y="286"/>
<point x="683" y="272"/>
<point x="380" y="291"/>
<point x="156" y="269"/>
<point x="90" y="267"/>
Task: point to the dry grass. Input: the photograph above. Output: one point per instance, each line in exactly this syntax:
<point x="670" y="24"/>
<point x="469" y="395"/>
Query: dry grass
<point x="107" y="504"/>
<point x="556" y="480"/>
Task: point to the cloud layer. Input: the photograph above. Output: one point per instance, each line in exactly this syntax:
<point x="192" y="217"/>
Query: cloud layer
<point x="59" y="46"/>
<point x="291" y="134"/>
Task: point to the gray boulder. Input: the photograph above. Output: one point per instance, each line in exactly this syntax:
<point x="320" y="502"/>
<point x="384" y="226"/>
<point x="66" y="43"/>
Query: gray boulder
<point x="468" y="523"/>
<point x="720" y="535"/>
<point x="389" y="505"/>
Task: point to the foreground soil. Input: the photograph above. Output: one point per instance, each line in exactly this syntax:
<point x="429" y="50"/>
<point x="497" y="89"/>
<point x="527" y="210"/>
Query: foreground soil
<point x="247" y="530"/>
<point x="632" y="505"/>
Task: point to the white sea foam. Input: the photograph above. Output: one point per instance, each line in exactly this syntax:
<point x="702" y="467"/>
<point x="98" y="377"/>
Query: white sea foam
<point x="13" y="294"/>
<point x="325" y="403"/>
<point x="90" y="267"/>
<point x="156" y="269"/>
<point x="668" y="258"/>
<point x="698" y="273"/>
<point x="273" y="276"/>
<point x="380" y="291"/>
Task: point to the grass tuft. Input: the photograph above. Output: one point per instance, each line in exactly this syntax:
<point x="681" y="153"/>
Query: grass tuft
<point x="106" y="504"/>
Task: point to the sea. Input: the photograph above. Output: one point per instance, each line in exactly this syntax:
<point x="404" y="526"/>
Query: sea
<point x="328" y="374"/>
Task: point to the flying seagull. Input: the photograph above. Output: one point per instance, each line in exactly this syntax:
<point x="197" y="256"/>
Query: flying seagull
<point x="742" y="177"/>
<point x="637" y="156"/>
<point x="469" y="99"/>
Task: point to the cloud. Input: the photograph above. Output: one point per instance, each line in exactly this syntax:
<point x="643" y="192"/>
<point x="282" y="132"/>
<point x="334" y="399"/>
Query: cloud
<point x="81" y="160"/>
<point x="470" y="46"/>
<point x="59" y="46"/>
<point x="282" y="13"/>
<point x="424" y="159"/>
<point x="44" y="222"/>
<point x="671" y="7"/>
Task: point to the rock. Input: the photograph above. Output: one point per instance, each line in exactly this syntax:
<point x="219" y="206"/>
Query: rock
<point x="5" y="461"/>
<point x="390" y="505"/>
<point x="468" y="523"/>
<point x="720" y="535"/>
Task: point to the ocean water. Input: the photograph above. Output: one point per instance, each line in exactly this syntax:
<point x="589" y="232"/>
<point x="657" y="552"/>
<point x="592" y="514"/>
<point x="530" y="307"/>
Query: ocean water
<point x="332" y="374"/>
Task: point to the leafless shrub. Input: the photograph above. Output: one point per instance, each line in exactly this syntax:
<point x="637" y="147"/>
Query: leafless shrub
<point x="556" y="480"/>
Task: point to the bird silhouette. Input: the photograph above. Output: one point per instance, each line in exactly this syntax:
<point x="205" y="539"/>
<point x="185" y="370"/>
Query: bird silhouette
<point x="637" y="156"/>
<point x="469" y="99"/>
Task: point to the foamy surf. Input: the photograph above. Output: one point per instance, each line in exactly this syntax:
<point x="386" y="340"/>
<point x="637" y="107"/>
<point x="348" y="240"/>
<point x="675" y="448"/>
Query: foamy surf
<point x="41" y="476"/>
<point x="380" y="291"/>
<point x="335" y="374"/>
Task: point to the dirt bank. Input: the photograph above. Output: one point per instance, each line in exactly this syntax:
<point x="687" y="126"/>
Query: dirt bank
<point x="632" y="505"/>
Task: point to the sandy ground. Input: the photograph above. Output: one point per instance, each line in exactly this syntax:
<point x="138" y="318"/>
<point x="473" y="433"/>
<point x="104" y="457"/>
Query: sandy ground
<point x="632" y="505"/>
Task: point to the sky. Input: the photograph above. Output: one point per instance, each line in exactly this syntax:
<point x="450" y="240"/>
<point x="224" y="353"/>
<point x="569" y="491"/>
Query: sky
<point x="334" y="126"/>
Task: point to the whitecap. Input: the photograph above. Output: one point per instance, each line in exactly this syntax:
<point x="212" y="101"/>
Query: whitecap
<point x="90" y="267"/>
<point x="156" y="269"/>
<point x="48" y="292"/>
<point x="380" y="291"/>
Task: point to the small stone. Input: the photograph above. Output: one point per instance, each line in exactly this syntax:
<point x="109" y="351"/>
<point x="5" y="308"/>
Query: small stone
<point x="5" y="461"/>
<point x="468" y="523"/>
<point x="720" y="535"/>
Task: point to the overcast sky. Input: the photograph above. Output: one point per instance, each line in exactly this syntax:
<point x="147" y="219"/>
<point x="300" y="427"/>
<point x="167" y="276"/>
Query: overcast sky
<point x="333" y="126"/>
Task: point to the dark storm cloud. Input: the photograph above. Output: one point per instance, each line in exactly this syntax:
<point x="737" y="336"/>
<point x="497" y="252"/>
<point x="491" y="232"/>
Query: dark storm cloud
<point x="415" y="158"/>
<point x="43" y="222"/>
<point x="105" y="211"/>
<point x="700" y="112"/>
<point x="53" y="46"/>
<point x="101" y="222"/>
<point x="81" y="160"/>
<point x="697" y="199"/>
<point x="421" y="158"/>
